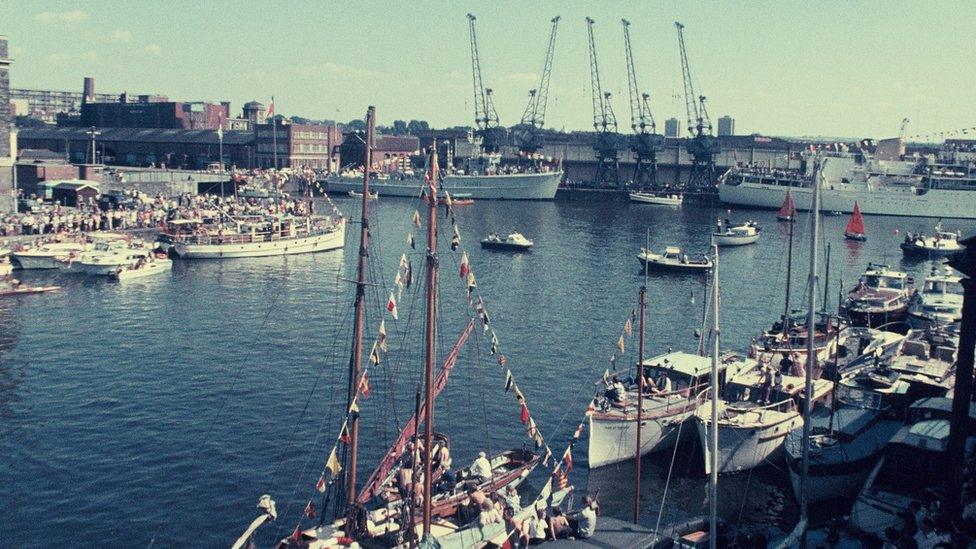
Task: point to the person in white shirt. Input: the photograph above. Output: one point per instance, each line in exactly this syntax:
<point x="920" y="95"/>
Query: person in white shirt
<point x="481" y="468"/>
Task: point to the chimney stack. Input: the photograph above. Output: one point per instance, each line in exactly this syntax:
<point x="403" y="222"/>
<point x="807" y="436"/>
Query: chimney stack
<point x="89" y="91"/>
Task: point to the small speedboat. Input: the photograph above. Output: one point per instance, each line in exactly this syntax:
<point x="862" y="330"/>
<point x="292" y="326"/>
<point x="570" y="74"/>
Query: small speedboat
<point x="372" y="196"/>
<point x="673" y="260"/>
<point x="661" y="199"/>
<point x="140" y="269"/>
<point x="941" y="244"/>
<point x="515" y="241"/>
<point x="737" y="235"/>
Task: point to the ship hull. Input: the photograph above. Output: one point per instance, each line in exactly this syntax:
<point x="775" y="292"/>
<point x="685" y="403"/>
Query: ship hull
<point x="744" y="447"/>
<point x="323" y="242"/>
<point x="614" y="439"/>
<point x="892" y="201"/>
<point x="525" y="186"/>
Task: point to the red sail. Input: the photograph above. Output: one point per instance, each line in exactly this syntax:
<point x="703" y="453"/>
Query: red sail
<point x="788" y="209"/>
<point x="383" y="469"/>
<point x="856" y="225"/>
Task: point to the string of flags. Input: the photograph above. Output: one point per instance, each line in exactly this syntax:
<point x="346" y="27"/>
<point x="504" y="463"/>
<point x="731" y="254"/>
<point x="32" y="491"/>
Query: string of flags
<point x="628" y="331"/>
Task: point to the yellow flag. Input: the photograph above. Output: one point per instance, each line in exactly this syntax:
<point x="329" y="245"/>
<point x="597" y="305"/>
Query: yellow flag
<point x="333" y="464"/>
<point x="629" y="327"/>
<point x="383" y="335"/>
<point x="354" y="409"/>
<point x="620" y="344"/>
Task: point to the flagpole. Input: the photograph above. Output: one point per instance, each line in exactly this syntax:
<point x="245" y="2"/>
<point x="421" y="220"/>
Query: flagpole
<point x="220" y="149"/>
<point x="355" y="361"/>
<point x="430" y="335"/>
<point x="713" y="434"/>
<point x="274" y="135"/>
<point x="640" y="385"/>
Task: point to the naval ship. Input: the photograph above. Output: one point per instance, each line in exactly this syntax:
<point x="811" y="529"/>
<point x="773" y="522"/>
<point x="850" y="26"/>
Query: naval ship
<point x="942" y="187"/>
<point x="481" y="178"/>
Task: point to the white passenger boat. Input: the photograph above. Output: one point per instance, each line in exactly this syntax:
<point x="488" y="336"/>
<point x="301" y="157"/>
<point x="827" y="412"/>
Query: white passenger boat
<point x="737" y="235"/>
<point x="660" y="199"/>
<point x="150" y="266"/>
<point x="938" y="303"/>
<point x="259" y="237"/>
<point x="942" y="243"/>
<point x="613" y="427"/>
<point x="514" y="242"/>
<point x="755" y="416"/>
<point x="106" y="258"/>
<point x="673" y="259"/>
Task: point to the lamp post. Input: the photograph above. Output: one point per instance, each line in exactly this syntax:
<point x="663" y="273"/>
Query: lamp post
<point x="965" y="263"/>
<point x="92" y="133"/>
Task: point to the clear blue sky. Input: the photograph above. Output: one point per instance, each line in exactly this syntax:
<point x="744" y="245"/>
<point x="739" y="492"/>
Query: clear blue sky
<point x="779" y="67"/>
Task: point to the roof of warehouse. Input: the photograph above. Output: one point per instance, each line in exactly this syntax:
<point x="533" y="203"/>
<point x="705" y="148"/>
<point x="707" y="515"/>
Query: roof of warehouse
<point x="149" y="135"/>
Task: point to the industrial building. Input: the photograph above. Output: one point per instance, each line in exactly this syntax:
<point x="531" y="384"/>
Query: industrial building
<point x="186" y="115"/>
<point x="312" y="145"/>
<point x="48" y="105"/>
<point x="672" y="128"/>
<point x="8" y="141"/>
<point x="726" y="126"/>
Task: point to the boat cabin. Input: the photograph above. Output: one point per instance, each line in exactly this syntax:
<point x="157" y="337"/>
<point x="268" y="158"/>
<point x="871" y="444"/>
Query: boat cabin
<point x="690" y="374"/>
<point x="881" y="278"/>
<point x="926" y="360"/>
<point x="913" y="457"/>
<point x="754" y="390"/>
<point x="942" y="284"/>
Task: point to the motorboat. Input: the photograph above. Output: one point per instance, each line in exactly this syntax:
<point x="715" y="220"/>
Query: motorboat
<point x="661" y="199"/>
<point x="915" y="455"/>
<point x="757" y="410"/>
<point x="926" y="361"/>
<point x="106" y="258"/>
<point x="253" y="237"/>
<point x="150" y="266"/>
<point x="855" y="227"/>
<point x="942" y="243"/>
<point x="613" y="426"/>
<point x="787" y="337"/>
<point x="938" y="303"/>
<point x="673" y="259"/>
<point x="45" y="256"/>
<point x="372" y="196"/>
<point x="880" y="298"/>
<point x="736" y="235"/>
<point x="513" y="242"/>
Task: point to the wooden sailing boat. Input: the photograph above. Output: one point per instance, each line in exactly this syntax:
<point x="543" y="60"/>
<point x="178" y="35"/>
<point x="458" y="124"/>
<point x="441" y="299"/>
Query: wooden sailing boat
<point x="855" y="227"/>
<point x="787" y="212"/>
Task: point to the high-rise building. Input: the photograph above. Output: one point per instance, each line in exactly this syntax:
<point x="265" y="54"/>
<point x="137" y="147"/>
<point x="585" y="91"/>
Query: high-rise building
<point x="672" y="128"/>
<point x="8" y="201"/>
<point x="726" y="126"/>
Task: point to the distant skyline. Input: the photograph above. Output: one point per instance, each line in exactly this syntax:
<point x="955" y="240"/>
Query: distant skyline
<point x="851" y="69"/>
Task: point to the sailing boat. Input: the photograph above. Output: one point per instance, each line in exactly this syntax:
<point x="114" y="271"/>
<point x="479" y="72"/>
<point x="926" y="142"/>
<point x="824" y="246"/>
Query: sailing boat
<point x="386" y="512"/>
<point x="787" y="212"/>
<point x="855" y="227"/>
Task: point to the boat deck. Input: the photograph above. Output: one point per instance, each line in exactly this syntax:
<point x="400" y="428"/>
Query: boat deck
<point x="611" y="532"/>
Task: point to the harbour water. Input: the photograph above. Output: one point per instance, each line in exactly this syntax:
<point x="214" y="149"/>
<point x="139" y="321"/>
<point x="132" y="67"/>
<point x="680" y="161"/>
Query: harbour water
<point x="158" y="411"/>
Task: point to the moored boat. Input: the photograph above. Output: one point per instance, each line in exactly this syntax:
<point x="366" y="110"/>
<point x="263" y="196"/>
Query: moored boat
<point x="855" y="227"/>
<point x="736" y="235"/>
<point x="6" y="267"/>
<point x="673" y="259"/>
<point x="259" y="237"/>
<point x="150" y="266"/>
<point x="16" y="288"/>
<point x="660" y="199"/>
<point x="372" y="196"/>
<point x="105" y="258"/>
<point x="513" y="242"/>
<point x="880" y="298"/>
<point x="44" y="256"/>
<point x="938" y="303"/>
<point x="787" y="212"/>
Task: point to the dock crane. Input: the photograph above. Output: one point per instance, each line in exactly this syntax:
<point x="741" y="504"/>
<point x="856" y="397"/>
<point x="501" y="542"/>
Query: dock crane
<point x="485" y="117"/>
<point x="608" y="142"/>
<point x="646" y="142"/>
<point x="702" y="145"/>
<point x="527" y="135"/>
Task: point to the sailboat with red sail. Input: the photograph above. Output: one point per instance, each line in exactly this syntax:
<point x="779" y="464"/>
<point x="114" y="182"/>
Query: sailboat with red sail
<point x="855" y="227"/>
<point x="787" y="212"/>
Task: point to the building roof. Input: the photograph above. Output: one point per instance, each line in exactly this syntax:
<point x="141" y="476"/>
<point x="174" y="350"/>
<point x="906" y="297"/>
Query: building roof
<point x="147" y="135"/>
<point x="253" y="105"/>
<point x="77" y="185"/>
<point x="397" y="143"/>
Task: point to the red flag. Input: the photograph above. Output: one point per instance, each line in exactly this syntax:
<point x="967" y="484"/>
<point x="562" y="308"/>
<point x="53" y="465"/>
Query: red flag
<point x="270" y="108"/>
<point x="464" y="264"/>
<point x="364" y="386"/>
<point x="297" y="534"/>
<point x="391" y="306"/>
<point x="525" y="413"/>
<point x="310" y="510"/>
<point x="568" y="460"/>
<point x="320" y="485"/>
<point x="344" y="437"/>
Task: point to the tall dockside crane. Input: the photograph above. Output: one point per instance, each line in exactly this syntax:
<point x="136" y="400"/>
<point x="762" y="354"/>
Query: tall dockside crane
<point x="646" y="142"/>
<point x="608" y="142"/>
<point x="702" y="145"/>
<point x="527" y="135"/>
<point x="485" y="117"/>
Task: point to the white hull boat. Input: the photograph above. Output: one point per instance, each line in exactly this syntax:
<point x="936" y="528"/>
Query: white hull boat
<point x="46" y="256"/>
<point x="658" y="199"/>
<point x="673" y="260"/>
<point x="739" y="235"/>
<point x="154" y="267"/>
<point x="520" y="186"/>
<point x="246" y="245"/>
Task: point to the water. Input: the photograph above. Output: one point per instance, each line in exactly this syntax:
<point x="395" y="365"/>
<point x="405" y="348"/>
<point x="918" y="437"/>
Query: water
<point x="160" y="410"/>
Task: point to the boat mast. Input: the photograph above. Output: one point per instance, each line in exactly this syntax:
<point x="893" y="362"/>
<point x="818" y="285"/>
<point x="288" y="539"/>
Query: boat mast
<point x="355" y="361"/>
<point x="789" y="274"/>
<point x="713" y="434"/>
<point x="640" y="384"/>
<point x="429" y="355"/>
<point x="823" y="306"/>
<point x="811" y="356"/>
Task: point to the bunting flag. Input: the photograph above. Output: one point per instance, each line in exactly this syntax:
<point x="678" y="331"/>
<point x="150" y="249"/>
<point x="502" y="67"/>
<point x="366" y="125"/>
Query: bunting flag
<point x="364" y="384"/>
<point x="464" y="265"/>
<point x="568" y="459"/>
<point x="546" y="457"/>
<point x="518" y="394"/>
<point x="383" y="335"/>
<point x="525" y="413"/>
<point x="629" y="328"/>
<point x="613" y="362"/>
<point x="539" y="441"/>
<point x="579" y="430"/>
<point x="692" y="296"/>
<point x="409" y="271"/>
<point x="620" y="342"/>
<point x="509" y="380"/>
<point x="416" y="218"/>
<point x="320" y="484"/>
<point x="447" y="199"/>
<point x="502" y="360"/>
<point x="411" y="241"/>
<point x="391" y="306"/>
<point x="633" y="314"/>
<point x="333" y="464"/>
<point x="404" y="262"/>
<point x="532" y="429"/>
<point x="344" y="435"/>
<point x="354" y="409"/>
<point x="455" y="242"/>
<point x="297" y="534"/>
<point x="591" y="408"/>
<point x="398" y="282"/>
<point x="374" y="355"/>
<point x="310" y="510"/>
<point x="472" y="284"/>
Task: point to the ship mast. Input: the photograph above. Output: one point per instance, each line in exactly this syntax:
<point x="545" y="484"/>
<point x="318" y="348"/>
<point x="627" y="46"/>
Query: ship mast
<point x="811" y="357"/>
<point x="640" y="385"/>
<point x="713" y="434"/>
<point x="355" y="361"/>
<point x="430" y="351"/>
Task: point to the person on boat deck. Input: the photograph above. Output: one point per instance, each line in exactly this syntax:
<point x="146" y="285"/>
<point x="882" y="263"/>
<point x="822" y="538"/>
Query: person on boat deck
<point x="662" y="385"/>
<point x="444" y="457"/>
<point x="584" y="521"/>
<point x="489" y="514"/>
<point x="786" y="364"/>
<point x="512" y="499"/>
<point x="405" y="478"/>
<point x="766" y="384"/>
<point x="537" y="528"/>
<point x="616" y="390"/>
<point x="481" y="468"/>
<point x="559" y="527"/>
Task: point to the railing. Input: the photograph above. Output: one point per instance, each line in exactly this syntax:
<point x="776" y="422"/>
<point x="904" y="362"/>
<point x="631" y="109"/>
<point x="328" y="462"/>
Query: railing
<point x="249" y="238"/>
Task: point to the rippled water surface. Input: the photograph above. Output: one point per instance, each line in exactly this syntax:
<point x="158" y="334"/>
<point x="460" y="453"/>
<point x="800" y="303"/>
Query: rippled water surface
<point x="160" y="410"/>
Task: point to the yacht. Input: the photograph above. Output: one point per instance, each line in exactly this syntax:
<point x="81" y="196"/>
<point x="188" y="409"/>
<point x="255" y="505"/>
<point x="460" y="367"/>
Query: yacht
<point x="880" y="298"/>
<point x="613" y="427"/>
<point x="673" y="259"/>
<point x="736" y="235"/>
<point x="257" y="236"/>
<point x="47" y="255"/>
<point x="755" y="416"/>
<point x="660" y="199"/>
<point x="107" y="258"/>
<point x="938" y="303"/>
<point x="513" y="242"/>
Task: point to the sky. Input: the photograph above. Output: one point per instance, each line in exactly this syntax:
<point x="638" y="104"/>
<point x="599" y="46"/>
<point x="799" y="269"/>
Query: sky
<point x="790" y="68"/>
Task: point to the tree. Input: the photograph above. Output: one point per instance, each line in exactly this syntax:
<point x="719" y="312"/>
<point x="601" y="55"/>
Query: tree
<point x="356" y="124"/>
<point x="399" y="127"/>
<point x="417" y="126"/>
